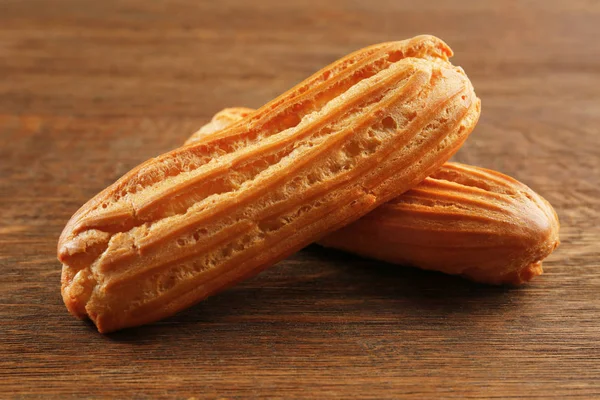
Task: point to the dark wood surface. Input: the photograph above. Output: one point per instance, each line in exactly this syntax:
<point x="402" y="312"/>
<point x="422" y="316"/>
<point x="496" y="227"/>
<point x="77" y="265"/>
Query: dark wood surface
<point x="89" y="89"/>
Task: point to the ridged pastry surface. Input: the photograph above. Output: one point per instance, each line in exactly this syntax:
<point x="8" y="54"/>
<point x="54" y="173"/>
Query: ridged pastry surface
<point x="198" y="219"/>
<point x="461" y="220"/>
<point x="221" y="120"/>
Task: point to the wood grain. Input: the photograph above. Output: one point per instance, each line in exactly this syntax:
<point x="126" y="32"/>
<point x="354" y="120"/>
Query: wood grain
<point x="90" y="89"/>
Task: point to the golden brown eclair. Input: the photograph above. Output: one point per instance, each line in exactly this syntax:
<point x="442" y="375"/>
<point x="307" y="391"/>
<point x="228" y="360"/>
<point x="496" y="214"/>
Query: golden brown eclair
<point x="461" y="220"/>
<point x="191" y="222"/>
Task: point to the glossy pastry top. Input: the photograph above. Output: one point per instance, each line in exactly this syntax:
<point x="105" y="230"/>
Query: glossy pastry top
<point x="190" y="222"/>
<point x="461" y="220"/>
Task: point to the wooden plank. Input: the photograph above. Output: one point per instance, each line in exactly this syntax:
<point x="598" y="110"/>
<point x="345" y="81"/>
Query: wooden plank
<point x="89" y="90"/>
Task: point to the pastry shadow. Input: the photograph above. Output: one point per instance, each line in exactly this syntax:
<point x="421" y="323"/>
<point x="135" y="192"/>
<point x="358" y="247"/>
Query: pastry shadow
<point x="404" y="285"/>
<point x="319" y="285"/>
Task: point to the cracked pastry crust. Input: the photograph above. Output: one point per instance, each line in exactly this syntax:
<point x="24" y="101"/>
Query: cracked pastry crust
<point x="191" y="222"/>
<point x="461" y="220"/>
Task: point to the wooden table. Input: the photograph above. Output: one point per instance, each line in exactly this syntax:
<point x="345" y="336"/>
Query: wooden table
<point x="90" y="89"/>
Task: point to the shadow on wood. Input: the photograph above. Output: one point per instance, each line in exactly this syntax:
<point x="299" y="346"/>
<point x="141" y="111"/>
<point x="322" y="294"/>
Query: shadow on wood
<point x="323" y="286"/>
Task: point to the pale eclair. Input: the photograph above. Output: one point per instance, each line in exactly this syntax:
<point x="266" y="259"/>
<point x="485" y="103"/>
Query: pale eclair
<point x="191" y="222"/>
